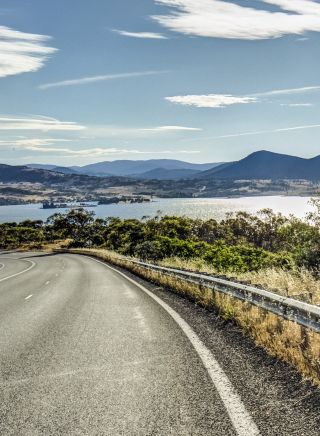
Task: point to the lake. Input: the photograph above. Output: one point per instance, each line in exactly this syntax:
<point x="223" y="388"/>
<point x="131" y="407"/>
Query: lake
<point x="204" y="208"/>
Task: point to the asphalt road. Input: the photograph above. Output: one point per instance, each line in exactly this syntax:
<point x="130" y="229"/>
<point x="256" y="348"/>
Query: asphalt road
<point x="84" y="351"/>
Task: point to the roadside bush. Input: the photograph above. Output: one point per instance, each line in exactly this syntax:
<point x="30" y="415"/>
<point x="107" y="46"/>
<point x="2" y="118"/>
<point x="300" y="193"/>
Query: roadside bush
<point x="245" y="258"/>
<point x="150" y="251"/>
<point x="15" y="236"/>
<point x="171" y="247"/>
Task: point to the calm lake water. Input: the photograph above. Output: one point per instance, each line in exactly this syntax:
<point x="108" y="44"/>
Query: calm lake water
<point x="204" y="208"/>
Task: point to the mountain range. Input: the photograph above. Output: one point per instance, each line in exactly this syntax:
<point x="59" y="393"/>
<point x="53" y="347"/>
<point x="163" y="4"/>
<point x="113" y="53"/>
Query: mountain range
<point x="260" y="173"/>
<point x="158" y="169"/>
<point x="263" y="165"/>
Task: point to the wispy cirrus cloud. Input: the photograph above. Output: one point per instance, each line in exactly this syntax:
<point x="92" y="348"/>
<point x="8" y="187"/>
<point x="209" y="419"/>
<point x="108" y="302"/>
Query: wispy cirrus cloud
<point x="140" y="35"/>
<point x="288" y="129"/>
<point x="22" y="52"/>
<point x="47" y="124"/>
<point x="54" y="146"/>
<point x="288" y="91"/>
<point x="297" y="104"/>
<point x="94" y="79"/>
<point x="210" y="100"/>
<point x="111" y="131"/>
<point x="102" y="152"/>
<point x="43" y="124"/>
<point x="224" y="100"/>
<point x="171" y="129"/>
<point x="225" y="19"/>
<point x="31" y="142"/>
<point x="260" y="132"/>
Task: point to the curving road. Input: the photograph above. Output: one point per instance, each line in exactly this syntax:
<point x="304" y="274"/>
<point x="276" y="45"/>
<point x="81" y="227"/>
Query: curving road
<point x="10" y="266"/>
<point x="85" y="351"/>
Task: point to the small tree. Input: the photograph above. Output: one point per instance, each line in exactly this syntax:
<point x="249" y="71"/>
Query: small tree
<point x="76" y="224"/>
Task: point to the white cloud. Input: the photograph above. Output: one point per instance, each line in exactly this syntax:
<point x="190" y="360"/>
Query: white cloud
<point x="47" y="146"/>
<point x="110" y="131"/>
<point x="101" y="152"/>
<point x="225" y="19"/>
<point x="140" y="35"/>
<point x="43" y="124"/>
<point x="31" y="142"/>
<point x="211" y="100"/>
<point x="94" y="79"/>
<point x="22" y="52"/>
<point x="171" y="129"/>
<point x="224" y="100"/>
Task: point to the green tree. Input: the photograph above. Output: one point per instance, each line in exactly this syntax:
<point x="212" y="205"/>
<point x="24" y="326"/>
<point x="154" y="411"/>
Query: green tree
<point x="76" y="225"/>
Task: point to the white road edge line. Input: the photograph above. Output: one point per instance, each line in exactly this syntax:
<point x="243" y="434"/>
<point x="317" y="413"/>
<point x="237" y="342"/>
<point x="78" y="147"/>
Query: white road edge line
<point x="28" y="297"/>
<point x="240" y="417"/>
<point x="33" y="264"/>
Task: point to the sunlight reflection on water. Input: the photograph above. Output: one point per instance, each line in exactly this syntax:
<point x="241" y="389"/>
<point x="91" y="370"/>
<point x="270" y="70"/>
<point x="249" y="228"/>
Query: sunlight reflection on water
<point x="204" y="208"/>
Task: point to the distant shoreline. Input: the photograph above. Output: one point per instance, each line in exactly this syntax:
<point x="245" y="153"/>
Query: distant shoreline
<point x="222" y="197"/>
<point x="199" y="208"/>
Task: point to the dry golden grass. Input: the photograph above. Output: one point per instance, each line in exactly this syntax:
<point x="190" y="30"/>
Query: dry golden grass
<point x="286" y="340"/>
<point x="46" y="246"/>
<point x="301" y="285"/>
<point x="56" y="245"/>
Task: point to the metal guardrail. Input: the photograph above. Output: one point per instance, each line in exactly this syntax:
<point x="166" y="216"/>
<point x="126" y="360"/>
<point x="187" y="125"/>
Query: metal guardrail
<point x="304" y="314"/>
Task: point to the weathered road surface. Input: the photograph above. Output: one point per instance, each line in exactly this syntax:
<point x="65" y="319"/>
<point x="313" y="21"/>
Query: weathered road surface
<point x="84" y="351"/>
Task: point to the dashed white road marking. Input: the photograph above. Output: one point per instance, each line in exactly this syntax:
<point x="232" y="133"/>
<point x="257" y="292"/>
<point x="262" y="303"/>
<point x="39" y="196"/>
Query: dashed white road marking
<point x="28" y="297"/>
<point x="47" y="283"/>
<point x="238" y="414"/>
<point x="32" y="265"/>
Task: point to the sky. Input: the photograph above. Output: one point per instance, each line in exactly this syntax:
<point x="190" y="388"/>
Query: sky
<point x="195" y="80"/>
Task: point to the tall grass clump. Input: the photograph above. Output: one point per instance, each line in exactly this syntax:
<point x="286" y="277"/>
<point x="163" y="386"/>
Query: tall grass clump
<point x="300" y="284"/>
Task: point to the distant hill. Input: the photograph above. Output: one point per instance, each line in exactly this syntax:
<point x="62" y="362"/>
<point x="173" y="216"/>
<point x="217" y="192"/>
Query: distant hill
<point x="134" y="168"/>
<point x="21" y="184"/>
<point x="211" y="171"/>
<point x="56" y="168"/>
<point x="65" y="170"/>
<point x="165" y="174"/>
<point x="137" y="167"/>
<point x="267" y="165"/>
<point x="14" y="174"/>
<point x="41" y="166"/>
